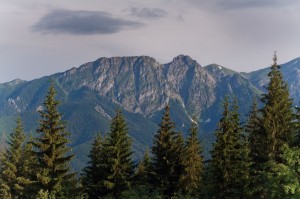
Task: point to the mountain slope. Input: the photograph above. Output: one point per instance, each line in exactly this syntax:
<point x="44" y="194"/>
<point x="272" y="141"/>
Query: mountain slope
<point x="142" y="87"/>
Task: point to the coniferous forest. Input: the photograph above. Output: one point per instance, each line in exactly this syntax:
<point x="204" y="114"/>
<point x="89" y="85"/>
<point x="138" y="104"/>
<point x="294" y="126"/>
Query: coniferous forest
<point x="259" y="159"/>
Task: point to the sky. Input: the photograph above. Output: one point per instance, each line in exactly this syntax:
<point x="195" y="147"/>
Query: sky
<point x="39" y="38"/>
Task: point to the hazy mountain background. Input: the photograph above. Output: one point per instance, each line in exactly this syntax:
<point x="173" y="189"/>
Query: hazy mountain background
<point x="142" y="87"/>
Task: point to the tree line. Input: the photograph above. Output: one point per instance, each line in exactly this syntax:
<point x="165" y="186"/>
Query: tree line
<point x="260" y="159"/>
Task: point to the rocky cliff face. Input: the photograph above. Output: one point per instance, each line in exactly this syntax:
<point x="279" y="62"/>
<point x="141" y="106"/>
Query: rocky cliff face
<point x="136" y="83"/>
<point x="194" y="85"/>
<point x="142" y="85"/>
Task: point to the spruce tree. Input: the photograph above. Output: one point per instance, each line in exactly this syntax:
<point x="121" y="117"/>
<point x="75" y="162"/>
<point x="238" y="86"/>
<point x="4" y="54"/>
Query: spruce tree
<point x="94" y="173"/>
<point x="119" y="157"/>
<point x="13" y="163"/>
<point x="229" y="164"/>
<point x="166" y="161"/>
<point x="50" y="148"/>
<point x="277" y="115"/>
<point x="179" y="163"/>
<point x="254" y="136"/>
<point x="29" y="168"/>
<point x="277" y="136"/>
<point x="143" y="171"/>
<point x="254" y="132"/>
<point x="296" y="135"/>
<point x="193" y="163"/>
<point x="242" y="158"/>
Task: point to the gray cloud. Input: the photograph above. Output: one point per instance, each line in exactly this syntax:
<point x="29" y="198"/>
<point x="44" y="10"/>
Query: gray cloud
<point x="236" y="4"/>
<point x="148" y="12"/>
<point x="81" y="22"/>
<point x="242" y="4"/>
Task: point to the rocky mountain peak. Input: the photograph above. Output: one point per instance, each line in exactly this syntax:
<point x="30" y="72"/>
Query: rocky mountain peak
<point x="219" y="71"/>
<point x="16" y="81"/>
<point x="185" y="60"/>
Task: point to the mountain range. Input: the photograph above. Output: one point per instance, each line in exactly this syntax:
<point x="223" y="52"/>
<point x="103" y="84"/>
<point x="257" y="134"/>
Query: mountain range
<point x="142" y="87"/>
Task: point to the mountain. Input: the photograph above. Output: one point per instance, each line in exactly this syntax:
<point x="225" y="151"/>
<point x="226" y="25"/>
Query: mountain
<point x="142" y="87"/>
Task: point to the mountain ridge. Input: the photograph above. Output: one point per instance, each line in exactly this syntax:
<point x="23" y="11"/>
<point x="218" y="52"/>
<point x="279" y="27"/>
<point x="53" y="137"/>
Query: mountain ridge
<point x="142" y="87"/>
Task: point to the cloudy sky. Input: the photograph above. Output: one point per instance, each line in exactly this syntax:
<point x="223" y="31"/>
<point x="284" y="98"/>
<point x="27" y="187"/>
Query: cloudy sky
<point x="40" y="38"/>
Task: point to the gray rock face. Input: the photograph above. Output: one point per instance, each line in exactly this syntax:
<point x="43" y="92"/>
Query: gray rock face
<point x="136" y="83"/>
<point x="142" y="85"/>
<point x="194" y="85"/>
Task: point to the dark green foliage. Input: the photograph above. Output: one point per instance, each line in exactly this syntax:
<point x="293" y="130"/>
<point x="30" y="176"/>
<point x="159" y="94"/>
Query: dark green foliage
<point x="143" y="173"/>
<point x="180" y="150"/>
<point x="277" y="115"/>
<point x="167" y="156"/>
<point x="94" y="173"/>
<point x="50" y="147"/>
<point x="119" y="157"/>
<point x="276" y="138"/>
<point x="14" y="165"/>
<point x="229" y="165"/>
<point x="193" y="165"/>
<point x="141" y="192"/>
<point x="253" y="130"/>
<point x="29" y="171"/>
<point x="296" y="135"/>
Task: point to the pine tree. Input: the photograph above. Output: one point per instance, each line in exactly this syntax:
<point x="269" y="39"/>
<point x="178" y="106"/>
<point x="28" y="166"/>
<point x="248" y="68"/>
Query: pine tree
<point x="94" y="173"/>
<point x="143" y="171"/>
<point x="277" y="136"/>
<point x="229" y="164"/>
<point x="179" y="163"/>
<point x="277" y="115"/>
<point x="28" y="168"/>
<point x="296" y="135"/>
<point x="50" y="147"/>
<point x="13" y="164"/>
<point x="253" y="130"/>
<point x="119" y="156"/>
<point x="166" y="161"/>
<point x="193" y="165"/>
<point x="242" y="158"/>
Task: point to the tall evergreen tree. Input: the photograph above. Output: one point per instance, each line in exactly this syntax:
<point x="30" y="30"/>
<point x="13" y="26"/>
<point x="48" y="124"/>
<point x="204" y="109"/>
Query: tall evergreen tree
<point x="191" y="179"/>
<point x="229" y="157"/>
<point x="94" y="173"/>
<point x="277" y="135"/>
<point x="50" y="147"/>
<point x="242" y="158"/>
<point x="143" y="171"/>
<point x="296" y="135"/>
<point x="254" y="132"/>
<point x="13" y="174"/>
<point x="253" y="129"/>
<point x="277" y="115"/>
<point x="29" y="168"/>
<point x="179" y="163"/>
<point x="166" y="161"/>
<point x="119" y="159"/>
